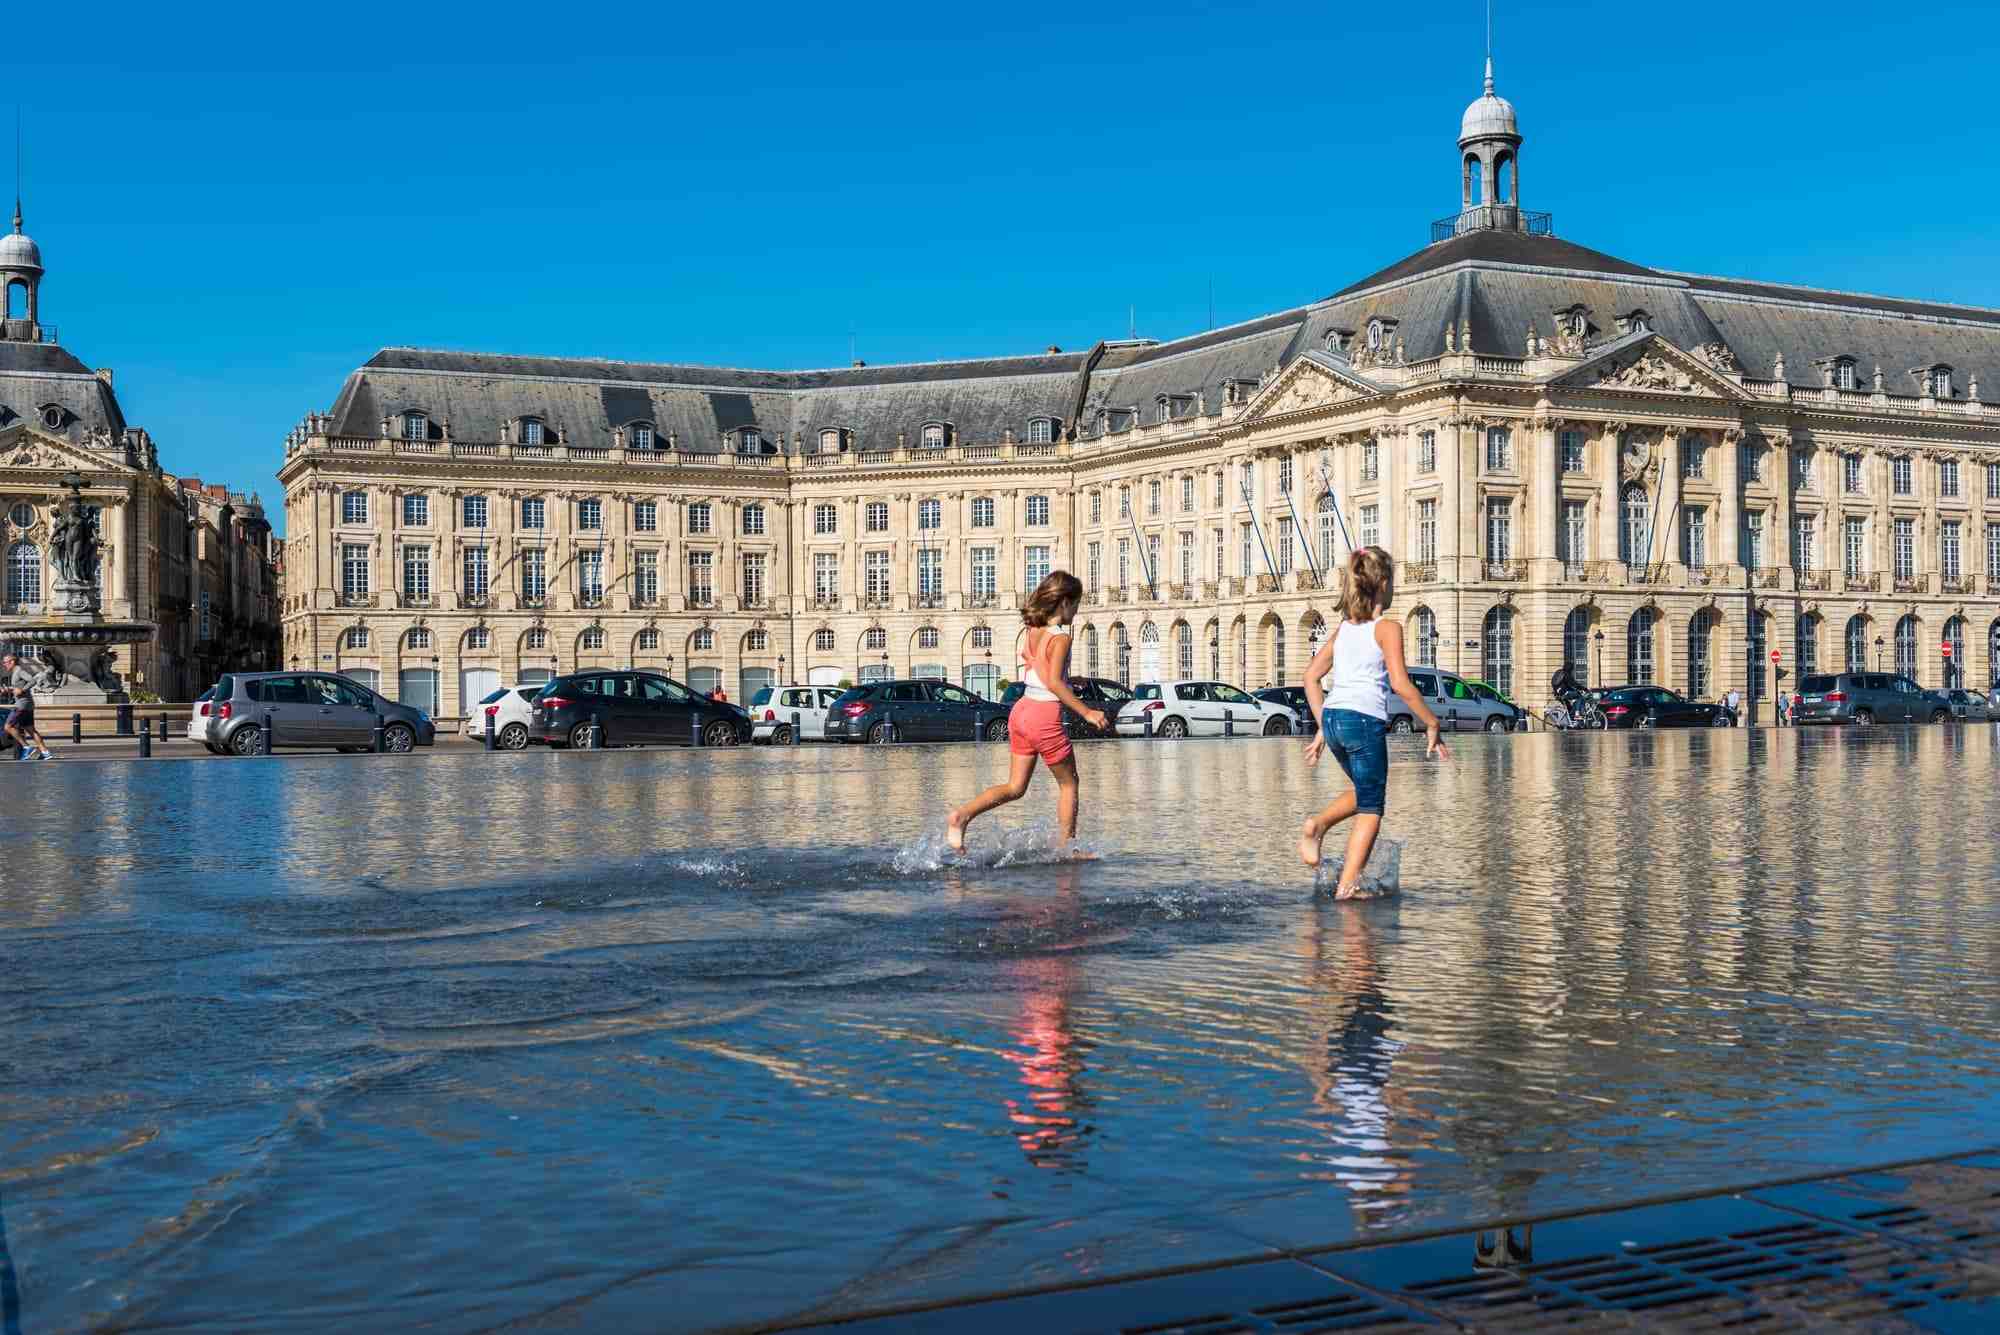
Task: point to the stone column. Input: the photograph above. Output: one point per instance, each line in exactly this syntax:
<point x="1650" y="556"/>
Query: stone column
<point x="1666" y="541"/>
<point x="1608" y="509"/>
<point x="1778" y="539"/>
<point x="1544" y="515"/>
<point x="1451" y="484"/>
<point x="1389" y="454"/>
<point x="1729" y="486"/>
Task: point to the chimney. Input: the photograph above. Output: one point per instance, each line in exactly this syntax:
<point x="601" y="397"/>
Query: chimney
<point x="857" y="363"/>
<point x="1053" y="349"/>
<point x="104" y="374"/>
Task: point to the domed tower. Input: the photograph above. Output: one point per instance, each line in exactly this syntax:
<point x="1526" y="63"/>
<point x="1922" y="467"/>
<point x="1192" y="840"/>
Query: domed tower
<point x="1489" y="149"/>
<point x="20" y="285"/>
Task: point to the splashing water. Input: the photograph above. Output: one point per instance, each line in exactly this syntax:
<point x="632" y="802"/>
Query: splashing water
<point x="1382" y="877"/>
<point x="1021" y="846"/>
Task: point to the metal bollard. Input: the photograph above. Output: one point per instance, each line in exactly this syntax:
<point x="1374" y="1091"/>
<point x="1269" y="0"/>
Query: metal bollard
<point x="146" y="740"/>
<point x="795" y="727"/>
<point x="489" y="732"/>
<point x="1146" y="718"/>
<point x="163" y="726"/>
<point x="270" y="733"/>
<point x="888" y="730"/>
<point x="694" y="729"/>
<point x="124" y="720"/>
<point x="76" y="728"/>
<point x="376" y="741"/>
<point x="1228" y="723"/>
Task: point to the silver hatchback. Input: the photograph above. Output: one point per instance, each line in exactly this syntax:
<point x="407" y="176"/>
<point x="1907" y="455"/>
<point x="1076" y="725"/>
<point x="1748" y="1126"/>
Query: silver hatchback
<point x="307" y="709"/>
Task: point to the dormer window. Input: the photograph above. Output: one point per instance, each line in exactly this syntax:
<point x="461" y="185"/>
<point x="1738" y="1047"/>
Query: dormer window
<point x="642" y="437"/>
<point x="749" y="440"/>
<point x="416" y="426"/>
<point x="531" y="431"/>
<point x="1041" y="430"/>
<point x="1376" y="335"/>
<point x="54" y="416"/>
<point x="830" y="440"/>
<point x="1238" y="392"/>
<point x="933" y="436"/>
<point x="1336" y="341"/>
<point x="1116" y="419"/>
<point x="1843" y="373"/>
<point x="1573" y="322"/>
<point x="1937" y="382"/>
<point x="1635" y="322"/>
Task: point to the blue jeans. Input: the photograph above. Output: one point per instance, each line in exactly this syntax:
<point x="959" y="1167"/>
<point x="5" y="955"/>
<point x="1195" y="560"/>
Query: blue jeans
<point x="1360" y="743"/>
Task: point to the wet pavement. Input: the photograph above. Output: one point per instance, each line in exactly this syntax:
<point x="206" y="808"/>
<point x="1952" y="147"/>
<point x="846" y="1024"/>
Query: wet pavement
<point x="682" y="1041"/>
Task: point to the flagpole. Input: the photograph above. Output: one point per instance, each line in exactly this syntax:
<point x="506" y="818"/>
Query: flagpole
<point x="1327" y="478"/>
<point x="1152" y="585"/>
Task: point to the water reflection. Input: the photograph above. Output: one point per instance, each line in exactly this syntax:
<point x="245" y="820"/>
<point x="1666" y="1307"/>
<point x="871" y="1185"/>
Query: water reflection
<point x="735" y="1022"/>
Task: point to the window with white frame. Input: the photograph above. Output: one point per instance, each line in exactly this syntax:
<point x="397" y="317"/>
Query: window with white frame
<point x="982" y="637"/>
<point x="1694" y="537"/>
<point x="648" y="640"/>
<point x="477" y="570"/>
<point x="1124" y="562"/>
<point x="1753" y="539"/>
<point x="416" y="427"/>
<point x="1948" y="478"/>
<point x="1093" y="566"/>
<point x="702" y="641"/>
<point x="1902" y="477"/>
<point x="1247" y="568"/>
<point x="478" y="638"/>
<point x="927" y="637"/>
<point x="1694" y="458"/>
<point x="700" y="518"/>
<point x="930" y="574"/>
<point x="536" y="638"/>
<point x="1850" y="474"/>
<point x="1854" y="546"/>
<point x="1124" y="502"/>
<point x="1152" y="571"/>
<point x="1499" y="529"/>
<point x="1948" y="549"/>
<point x="646" y="517"/>
<point x="822" y="641"/>
<point x="1038" y="511"/>
<point x="1569" y="445"/>
<point x="531" y="431"/>
<point x="593" y="639"/>
<point x="1993" y="551"/>
<point x="829" y="441"/>
<point x="1036" y="565"/>
<point x="420" y="637"/>
<point x="753" y="521"/>
<point x="826" y="520"/>
<point x="1371" y="462"/>
<point x="416" y="510"/>
<point x="1284" y="545"/>
<point x="354" y="507"/>
<point x="875" y="577"/>
<point x="1905" y="548"/>
<point x="1217" y="547"/>
<point x="590" y="576"/>
<point x="590" y="514"/>
<point x="1285" y="475"/>
<point x="355" y="637"/>
<point x="1427" y="451"/>
<point x="534" y="512"/>
<point x="646" y="577"/>
<point x="1217" y="502"/>
<point x="642" y="436"/>
<point x="982" y="512"/>
<point x="826" y="577"/>
<point x="472" y="512"/>
<point x="1246" y="482"/>
<point x="416" y="572"/>
<point x="1805" y="543"/>
<point x="754" y="588"/>
<point x="1096" y="507"/>
<point x="353" y="569"/>
<point x="1573" y="534"/>
<point x="875" y="639"/>
<point x="1187" y="494"/>
<point x="875" y="517"/>
<point x="1938" y="383"/>
<point x="1041" y="431"/>
<point x="1802" y="468"/>
<point x="1752" y="457"/>
<point x="534" y="574"/>
<point x="930" y="515"/>
<point x="1371" y="525"/>
<point x="1427" y="531"/>
<point x="701" y="579"/>
<point x="1153" y="497"/>
<point x="1993" y="482"/>
<point x="750" y="441"/>
<point x="985" y="572"/>
<point x="1843" y="374"/>
<point x="933" y="436"/>
<point x="1499" y="449"/>
<point x="1184" y="556"/>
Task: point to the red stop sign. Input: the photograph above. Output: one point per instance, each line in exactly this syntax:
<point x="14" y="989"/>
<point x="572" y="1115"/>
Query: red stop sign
<point x="1774" y="655"/>
<point x="1946" y="646"/>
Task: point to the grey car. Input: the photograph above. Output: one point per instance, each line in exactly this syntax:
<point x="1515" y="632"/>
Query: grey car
<point x="1969" y="706"/>
<point x="1460" y="705"/>
<point x="308" y="709"/>
<point x="1868" y="697"/>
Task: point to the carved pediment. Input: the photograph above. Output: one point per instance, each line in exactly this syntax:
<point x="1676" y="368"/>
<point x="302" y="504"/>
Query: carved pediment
<point x="24" y="447"/>
<point x="1314" y="380"/>
<point x="1651" y="364"/>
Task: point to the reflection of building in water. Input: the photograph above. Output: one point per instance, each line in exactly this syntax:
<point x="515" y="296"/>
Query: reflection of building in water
<point x="1656" y="476"/>
<point x="1048" y="1119"/>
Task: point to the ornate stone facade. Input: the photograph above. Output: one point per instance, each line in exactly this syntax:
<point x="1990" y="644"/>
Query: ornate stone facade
<point x="1620" y="490"/>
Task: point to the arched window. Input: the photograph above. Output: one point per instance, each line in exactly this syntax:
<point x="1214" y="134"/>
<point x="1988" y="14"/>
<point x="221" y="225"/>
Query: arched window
<point x="1497" y="657"/>
<point x="829" y="441"/>
<point x="1215" y="650"/>
<point x="416" y="426"/>
<point x="536" y="638"/>
<point x="1906" y="647"/>
<point x="649" y="640"/>
<point x="1754" y="650"/>
<point x="1090" y="664"/>
<point x="1503" y="188"/>
<point x="1424" y="630"/>
<point x="531" y="431"/>
<point x="24" y="573"/>
<point x="1149" y="652"/>
<point x="1041" y="430"/>
<point x="17" y="301"/>
<point x="642" y="437"/>
<point x="933" y="436"/>
<point x="702" y="641"/>
<point x="1954" y="663"/>
<point x="1121" y="649"/>
<point x="875" y="639"/>
<point x="823" y="641"/>
<point x="1632" y="530"/>
<point x="355" y="637"/>
<point x="1183" y="651"/>
<point x="1639" y="647"/>
<point x="1701" y="640"/>
<point x="1576" y="644"/>
<point x="927" y="637"/>
<point x="1277" y="653"/>
<point x="1475" y="181"/>
<point x="749" y="441"/>
<point x="1857" y="644"/>
<point x="1808" y="645"/>
<point x="1329" y="532"/>
<point x="1315" y="637"/>
<point x="757" y="642"/>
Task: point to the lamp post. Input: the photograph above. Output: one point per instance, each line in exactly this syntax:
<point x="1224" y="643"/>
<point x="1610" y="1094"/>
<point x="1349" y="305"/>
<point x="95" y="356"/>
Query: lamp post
<point x="885" y="665"/>
<point x="990" y="683"/>
<point x="781" y="672"/>
<point x="1599" y="638"/>
<point x="1878" y="653"/>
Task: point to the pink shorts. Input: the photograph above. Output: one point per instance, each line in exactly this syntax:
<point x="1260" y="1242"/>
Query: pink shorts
<point x="1035" y="728"/>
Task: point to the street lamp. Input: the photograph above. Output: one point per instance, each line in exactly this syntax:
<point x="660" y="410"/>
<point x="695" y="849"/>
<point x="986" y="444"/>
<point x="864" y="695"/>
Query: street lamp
<point x="781" y="671"/>
<point x="1599" y="637"/>
<point x="989" y="669"/>
<point x="1878" y="653"/>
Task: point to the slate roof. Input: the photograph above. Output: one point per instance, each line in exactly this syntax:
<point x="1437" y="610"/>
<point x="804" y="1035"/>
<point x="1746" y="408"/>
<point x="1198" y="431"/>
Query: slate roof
<point x="1500" y="283"/>
<point x="34" y="375"/>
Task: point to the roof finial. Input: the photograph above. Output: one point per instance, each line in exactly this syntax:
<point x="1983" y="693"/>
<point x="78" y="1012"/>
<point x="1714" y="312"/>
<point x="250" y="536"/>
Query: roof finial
<point x="1489" y="48"/>
<point x="17" y="169"/>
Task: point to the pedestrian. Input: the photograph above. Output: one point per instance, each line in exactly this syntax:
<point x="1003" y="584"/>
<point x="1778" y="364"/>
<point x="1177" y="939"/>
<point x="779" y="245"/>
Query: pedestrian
<point x="1784" y="708"/>
<point x="1365" y="656"/>
<point x="1735" y="702"/>
<point x="1035" y="725"/>
<point x="17" y="681"/>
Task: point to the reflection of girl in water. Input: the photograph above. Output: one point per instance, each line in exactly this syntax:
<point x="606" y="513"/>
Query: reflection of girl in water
<point x="1353" y="1073"/>
<point x="1049" y="1055"/>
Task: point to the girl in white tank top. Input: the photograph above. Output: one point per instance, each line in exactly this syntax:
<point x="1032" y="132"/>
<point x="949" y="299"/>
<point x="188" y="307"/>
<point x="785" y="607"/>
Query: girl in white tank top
<point x="1364" y="655"/>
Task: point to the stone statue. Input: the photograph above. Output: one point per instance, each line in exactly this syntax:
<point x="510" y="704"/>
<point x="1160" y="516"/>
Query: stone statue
<point x="49" y="675"/>
<point x="75" y="542"/>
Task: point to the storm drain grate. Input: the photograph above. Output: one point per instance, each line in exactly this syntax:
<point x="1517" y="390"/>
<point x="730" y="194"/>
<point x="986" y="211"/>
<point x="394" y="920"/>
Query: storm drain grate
<point x="1341" y="1311"/>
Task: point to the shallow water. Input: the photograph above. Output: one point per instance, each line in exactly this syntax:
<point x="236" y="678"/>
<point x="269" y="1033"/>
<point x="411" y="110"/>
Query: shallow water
<point x="690" y="1040"/>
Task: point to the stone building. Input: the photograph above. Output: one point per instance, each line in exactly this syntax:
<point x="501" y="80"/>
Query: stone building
<point x="1657" y="476"/>
<point x="195" y="563"/>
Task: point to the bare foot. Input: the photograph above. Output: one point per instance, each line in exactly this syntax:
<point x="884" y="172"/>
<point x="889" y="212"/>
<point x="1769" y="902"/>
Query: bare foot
<point x="1072" y="852"/>
<point x="1347" y="890"/>
<point x="954" y="833"/>
<point x="1309" y="841"/>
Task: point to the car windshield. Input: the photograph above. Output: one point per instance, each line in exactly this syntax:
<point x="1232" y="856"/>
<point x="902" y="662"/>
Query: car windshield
<point x="1818" y="685"/>
<point x="1228" y="695"/>
<point x="1112" y="691"/>
<point x="763" y="697"/>
<point x="1148" y="691"/>
<point x="1485" y="692"/>
<point x="492" y="696"/>
<point x="855" y="693"/>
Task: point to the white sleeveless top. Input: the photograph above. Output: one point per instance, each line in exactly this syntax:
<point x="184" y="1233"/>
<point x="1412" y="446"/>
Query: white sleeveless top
<point x="1360" y="674"/>
<point x="1037" y="688"/>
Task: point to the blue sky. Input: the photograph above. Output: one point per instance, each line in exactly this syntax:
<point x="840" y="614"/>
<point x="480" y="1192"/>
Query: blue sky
<point x="237" y="211"/>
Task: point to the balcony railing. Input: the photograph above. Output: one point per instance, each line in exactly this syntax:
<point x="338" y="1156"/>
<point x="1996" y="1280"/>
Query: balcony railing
<point x="823" y="604"/>
<point x="1114" y="595"/>
<point x="354" y="599"/>
<point x="702" y="599"/>
<point x="1912" y="584"/>
<point x="1308" y="580"/>
<point x="1180" y="593"/>
<point x="475" y="598"/>
<point x="1816" y="581"/>
<point x="1765" y="577"/>
<point x="1587" y="572"/>
<point x="1267" y="584"/>
<point x="1420" y="572"/>
<point x="1493" y="218"/>
<point x="1507" y="570"/>
<point x="1870" y="582"/>
<point x="1210" y="589"/>
<point x="534" y="600"/>
<point x="930" y="602"/>
<point x="408" y="599"/>
<point x="645" y="600"/>
<point x="590" y="598"/>
<point x="760" y="603"/>
<point x="875" y="602"/>
<point x="982" y="600"/>
<point x="1955" y="583"/>
<point x="1698" y="576"/>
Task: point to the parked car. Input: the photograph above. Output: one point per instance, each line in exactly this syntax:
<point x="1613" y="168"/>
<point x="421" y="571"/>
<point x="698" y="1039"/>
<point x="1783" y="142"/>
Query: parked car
<point x="1460" y="705"/>
<point x="632" y="709"/>
<point x="772" y="709"/>
<point x="512" y="709"/>
<point x="1097" y="692"/>
<point x="914" y="711"/>
<point x="1868" y="697"/>
<point x="1658" y="707"/>
<point x="1294" y="699"/>
<point x="1200" y="709"/>
<point x="306" y="709"/>
<point x="197" y="729"/>
<point x="1969" y="706"/>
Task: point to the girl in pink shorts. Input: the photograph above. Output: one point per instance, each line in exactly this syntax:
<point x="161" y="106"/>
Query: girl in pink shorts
<point x="1035" y="727"/>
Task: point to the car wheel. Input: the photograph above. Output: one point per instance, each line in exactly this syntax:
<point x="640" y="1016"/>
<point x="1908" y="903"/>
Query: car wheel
<point x="1174" y="728"/>
<point x="246" y="741"/>
<point x="213" y="749"/>
<point x="1864" y="717"/>
<point x="398" y="738"/>
<point x="579" y="736"/>
<point x="513" y="737"/>
<point x="782" y="737"/>
<point x="1277" y="727"/>
<point x="719" y="732"/>
<point x="1940" y="715"/>
<point x="1402" y="723"/>
<point x="996" y="730"/>
<point x="1496" y="725"/>
<point x="878" y="733"/>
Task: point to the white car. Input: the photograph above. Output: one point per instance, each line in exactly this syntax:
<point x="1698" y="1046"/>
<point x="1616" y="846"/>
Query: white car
<point x="198" y="721"/>
<point x="771" y="711"/>
<point x="512" y="709"/>
<point x="1201" y="709"/>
